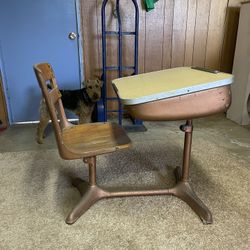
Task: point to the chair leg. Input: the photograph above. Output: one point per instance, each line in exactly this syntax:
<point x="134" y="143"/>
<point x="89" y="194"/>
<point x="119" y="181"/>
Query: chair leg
<point x="91" y="195"/>
<point x="183" y="189"/>
<point x="90" y="192"/>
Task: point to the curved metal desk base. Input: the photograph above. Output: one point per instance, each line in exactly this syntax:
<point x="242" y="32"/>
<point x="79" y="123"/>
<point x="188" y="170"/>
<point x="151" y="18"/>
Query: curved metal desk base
<point x="91" y="192"/>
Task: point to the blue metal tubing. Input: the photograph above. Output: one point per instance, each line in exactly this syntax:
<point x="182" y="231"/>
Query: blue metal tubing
<point x="119" y="37"/>
<point x="120" y="66"/>
<point x="136" y="55"/>
<point x="104" y="60"/>
<point x="136" y="37"/>
<point x="119" y="55"/>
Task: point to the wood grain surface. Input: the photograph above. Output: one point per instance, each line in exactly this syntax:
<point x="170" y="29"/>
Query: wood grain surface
<point x="175" y="33"/>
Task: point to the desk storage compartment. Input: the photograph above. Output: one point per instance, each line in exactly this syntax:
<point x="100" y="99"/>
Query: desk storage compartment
<point x="189" y="106"/>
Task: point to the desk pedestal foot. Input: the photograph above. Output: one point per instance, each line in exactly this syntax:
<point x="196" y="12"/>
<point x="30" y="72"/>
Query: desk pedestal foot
<point x="184" y="191"/>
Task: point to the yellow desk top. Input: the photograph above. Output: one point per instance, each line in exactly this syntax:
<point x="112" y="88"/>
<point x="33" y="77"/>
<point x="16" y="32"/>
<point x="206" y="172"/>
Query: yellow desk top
<point x="167" y="83"/>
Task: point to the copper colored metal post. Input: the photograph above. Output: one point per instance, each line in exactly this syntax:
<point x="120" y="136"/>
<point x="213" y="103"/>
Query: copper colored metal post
<point x="188" y="129"/>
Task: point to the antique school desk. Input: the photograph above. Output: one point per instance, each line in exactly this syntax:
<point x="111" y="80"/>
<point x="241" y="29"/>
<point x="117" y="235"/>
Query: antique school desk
<point x="177" y="94"/>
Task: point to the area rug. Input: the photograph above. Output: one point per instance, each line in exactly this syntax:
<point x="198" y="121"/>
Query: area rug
<point x="36" y="195"/>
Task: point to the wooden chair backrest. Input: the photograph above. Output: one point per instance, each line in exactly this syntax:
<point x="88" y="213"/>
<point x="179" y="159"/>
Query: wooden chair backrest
<point x="45" y="75"/>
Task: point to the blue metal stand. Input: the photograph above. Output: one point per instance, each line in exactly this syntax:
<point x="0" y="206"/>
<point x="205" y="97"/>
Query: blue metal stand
<point x="102" y="107"/>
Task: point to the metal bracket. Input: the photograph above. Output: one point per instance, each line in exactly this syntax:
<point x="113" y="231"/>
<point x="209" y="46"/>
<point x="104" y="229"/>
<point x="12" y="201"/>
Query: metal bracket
<point x="186" y="128"/>
<point x="89" y="160"/>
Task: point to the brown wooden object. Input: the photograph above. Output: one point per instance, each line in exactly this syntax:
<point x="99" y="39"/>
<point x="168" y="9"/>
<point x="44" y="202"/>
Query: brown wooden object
<point x="84" y="141"/>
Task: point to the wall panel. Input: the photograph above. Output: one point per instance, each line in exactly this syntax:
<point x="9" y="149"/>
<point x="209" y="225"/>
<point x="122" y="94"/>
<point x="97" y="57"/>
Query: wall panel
<point x="154" y="38"/>
<point x="190" y="32"/>
<point x="90" y="37"/>
<point x="175" y="33"/>
<point x="179" y="32"/>
<point x="215" y="33"/>
<point x="168" y="31"/>
<point x="201" y="32"/>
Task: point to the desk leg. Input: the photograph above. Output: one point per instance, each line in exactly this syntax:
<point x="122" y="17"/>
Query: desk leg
<point x="183" y="189"/>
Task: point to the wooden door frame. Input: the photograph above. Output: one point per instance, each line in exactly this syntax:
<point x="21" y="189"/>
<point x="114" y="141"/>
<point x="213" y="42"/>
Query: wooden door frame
<point x="3" y="108"/>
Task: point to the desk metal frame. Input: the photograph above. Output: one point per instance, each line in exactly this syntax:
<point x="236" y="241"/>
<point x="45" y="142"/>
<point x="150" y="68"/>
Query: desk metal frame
<point x="91" y="192"/>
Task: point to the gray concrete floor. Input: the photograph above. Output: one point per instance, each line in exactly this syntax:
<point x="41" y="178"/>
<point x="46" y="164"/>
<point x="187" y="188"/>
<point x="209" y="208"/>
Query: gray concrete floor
<point x="229" y="135"/>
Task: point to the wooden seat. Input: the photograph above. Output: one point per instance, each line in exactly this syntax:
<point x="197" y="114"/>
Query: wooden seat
<point x="101" y="138"/>
<point x="84" y="141"/>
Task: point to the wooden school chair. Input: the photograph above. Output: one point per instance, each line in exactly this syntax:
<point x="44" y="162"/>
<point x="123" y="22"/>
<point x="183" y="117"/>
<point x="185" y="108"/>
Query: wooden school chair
<point x="85" y="141"/>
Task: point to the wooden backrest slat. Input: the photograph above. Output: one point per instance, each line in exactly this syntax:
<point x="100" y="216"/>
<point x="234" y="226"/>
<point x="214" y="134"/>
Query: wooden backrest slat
<point x="54" y="95"/>
<point x="45" y="75"/>
<point x="46" y="70"/>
